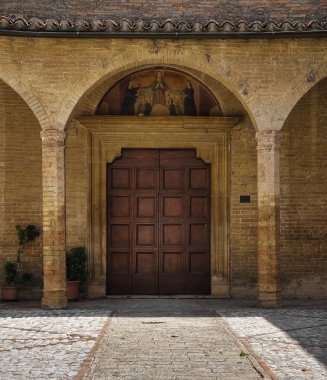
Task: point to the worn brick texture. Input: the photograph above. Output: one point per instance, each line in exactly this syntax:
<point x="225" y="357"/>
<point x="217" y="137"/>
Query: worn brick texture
<point x="77" y="187"/>
<point x="304" y="197"/>
<point x="190" y="10"/>
<point x="60" y="79"/>
<point x="21" y="184"/>
<point x="244" y="216"/>
<point x="303" y="167"/>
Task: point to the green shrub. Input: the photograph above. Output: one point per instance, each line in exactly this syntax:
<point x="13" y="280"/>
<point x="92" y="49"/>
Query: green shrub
<point x="76" y="259"/>
<point x="11" y="272"/>
<point x="12" y="268"/>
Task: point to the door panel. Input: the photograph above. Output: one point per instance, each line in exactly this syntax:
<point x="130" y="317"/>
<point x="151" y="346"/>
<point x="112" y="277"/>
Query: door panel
<point x="172" y="179"/>
<point x="146" y="179"/>
<point x="120" y="207"/>
<point x="172" y="206"/>
<point x="120" y="178"/>
<point x="145" y="206"/>
<point x="198" y="178"/>
<point x="158" y="223"/>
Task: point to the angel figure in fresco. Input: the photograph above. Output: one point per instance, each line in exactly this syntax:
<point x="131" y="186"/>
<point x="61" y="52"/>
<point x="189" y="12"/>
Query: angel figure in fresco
<point x="130" y="97"/>
<point x="189" y="103"/>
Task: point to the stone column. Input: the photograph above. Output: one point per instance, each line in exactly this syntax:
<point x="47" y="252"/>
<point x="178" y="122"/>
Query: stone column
<point x="54" y="229"/>
<point x="268" y="148"/>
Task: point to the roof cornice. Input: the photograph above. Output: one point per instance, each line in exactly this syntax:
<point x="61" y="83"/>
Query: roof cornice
<point x="168" y="28"/>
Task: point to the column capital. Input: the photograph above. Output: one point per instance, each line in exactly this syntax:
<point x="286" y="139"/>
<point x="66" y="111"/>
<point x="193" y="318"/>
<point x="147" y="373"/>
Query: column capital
<point x="53" y="137"/>
<point x="268" y="139"/>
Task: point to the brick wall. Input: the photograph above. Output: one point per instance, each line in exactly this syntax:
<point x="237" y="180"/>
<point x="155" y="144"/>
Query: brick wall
<point x="21" y="202"/>
<point x="304" y="197"/>
<point x="191" y="10"/>
<point x="77" y="187"/>
<point x="2" y="167"/>
<point x="243" y="215"/>
<point x="262" y="69"/>
<point x="303" y="202"/>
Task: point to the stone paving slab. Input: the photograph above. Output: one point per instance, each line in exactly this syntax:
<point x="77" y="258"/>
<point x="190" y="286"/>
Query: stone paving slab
<point x="291" y="342"/>
<point x="169" y="339"/>
<point x="39" y="344"/>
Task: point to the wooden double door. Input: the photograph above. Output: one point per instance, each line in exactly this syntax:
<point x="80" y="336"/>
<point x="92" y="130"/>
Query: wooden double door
<point x="158" y="226"/>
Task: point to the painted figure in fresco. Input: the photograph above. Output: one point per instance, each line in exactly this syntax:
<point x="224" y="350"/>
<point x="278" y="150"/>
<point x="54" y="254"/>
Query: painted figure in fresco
<point x="159" y="103"/>
<point x="159" y="88"/>
<point x="189" y="103"/>
<point x="129" y="99"/>
<point x="147" y="107"/>
<point x="172" y="108"/>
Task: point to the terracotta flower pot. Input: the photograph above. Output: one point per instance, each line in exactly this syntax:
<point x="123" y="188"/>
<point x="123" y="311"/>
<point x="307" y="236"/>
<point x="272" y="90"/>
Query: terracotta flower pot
<point x="73" y="290"/>
<point x="9" y="293"/>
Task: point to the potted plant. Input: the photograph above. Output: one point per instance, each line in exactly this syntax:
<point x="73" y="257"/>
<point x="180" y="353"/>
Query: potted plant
<point x="9" y="291"/>
<point x="76" y="259"/>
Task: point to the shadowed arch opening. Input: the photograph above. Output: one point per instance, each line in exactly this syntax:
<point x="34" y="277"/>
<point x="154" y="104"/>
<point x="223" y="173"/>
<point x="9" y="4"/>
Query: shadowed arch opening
<point x="303" y="163"/>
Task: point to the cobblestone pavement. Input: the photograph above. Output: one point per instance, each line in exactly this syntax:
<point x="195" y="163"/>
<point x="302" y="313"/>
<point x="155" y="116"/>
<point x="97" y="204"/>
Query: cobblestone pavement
<point x="291" y="342"/>
<point x="39" y="344"/>
<point x="162" y="339"/>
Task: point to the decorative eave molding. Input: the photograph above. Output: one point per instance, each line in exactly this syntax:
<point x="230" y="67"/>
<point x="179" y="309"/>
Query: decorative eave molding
<point x="169" y="28"/>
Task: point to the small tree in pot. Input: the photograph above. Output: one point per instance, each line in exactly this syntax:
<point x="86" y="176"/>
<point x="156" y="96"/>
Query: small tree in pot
<point x="76" y="259"/>
<point x="9" y="291"/>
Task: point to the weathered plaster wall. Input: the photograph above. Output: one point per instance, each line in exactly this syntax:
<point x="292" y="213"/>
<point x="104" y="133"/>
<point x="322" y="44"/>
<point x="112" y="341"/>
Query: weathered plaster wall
<point x="21" y="187"/>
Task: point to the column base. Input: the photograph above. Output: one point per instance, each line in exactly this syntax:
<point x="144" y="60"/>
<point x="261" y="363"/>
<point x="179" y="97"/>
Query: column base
<point x="54" y="299"/>
<point x="96" y="289"/>
<point x="269" y="300"/>
<point x="220" y="288"/>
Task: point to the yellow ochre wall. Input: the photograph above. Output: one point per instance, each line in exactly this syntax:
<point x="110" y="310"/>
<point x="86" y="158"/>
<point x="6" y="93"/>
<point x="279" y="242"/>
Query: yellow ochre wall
<point x="46" y="83"/>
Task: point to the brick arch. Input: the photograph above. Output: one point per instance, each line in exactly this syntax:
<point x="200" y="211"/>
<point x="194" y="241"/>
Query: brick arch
<point x="226" y="99"/>
<point x="314" y="77"/>
<point x="11" y="80"/>
<point x="131" y="62"/>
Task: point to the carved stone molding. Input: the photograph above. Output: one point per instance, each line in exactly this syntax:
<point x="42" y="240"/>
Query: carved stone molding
<point x="74" y="127"/>
<point x="108" y="136"/>
<point x="53" y="137"/>
<point x="268" y="140"/>
<point x="168" y="26"/>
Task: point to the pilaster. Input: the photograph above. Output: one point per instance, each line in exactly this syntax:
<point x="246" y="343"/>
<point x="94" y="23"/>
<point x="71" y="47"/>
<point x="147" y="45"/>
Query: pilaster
<point x="54" y="230"/>
<point x="268" y="150"/>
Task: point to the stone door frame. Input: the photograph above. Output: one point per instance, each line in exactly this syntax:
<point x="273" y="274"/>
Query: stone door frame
<point x="209" y="136"/>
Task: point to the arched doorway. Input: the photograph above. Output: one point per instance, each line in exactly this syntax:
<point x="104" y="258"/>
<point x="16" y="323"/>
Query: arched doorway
<point x="123" y="121"/>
